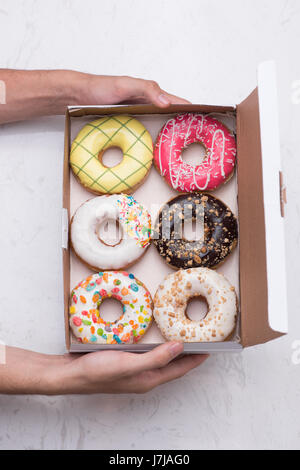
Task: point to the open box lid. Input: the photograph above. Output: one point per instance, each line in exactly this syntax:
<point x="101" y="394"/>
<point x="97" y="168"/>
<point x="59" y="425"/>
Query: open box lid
<point x="261" y="223"/>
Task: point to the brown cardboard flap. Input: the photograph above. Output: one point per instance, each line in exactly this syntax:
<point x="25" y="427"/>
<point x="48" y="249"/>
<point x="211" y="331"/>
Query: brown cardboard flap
<point x="80" y="111"/>
<point x="255" y="327"/>
<point x="66" y="205"/>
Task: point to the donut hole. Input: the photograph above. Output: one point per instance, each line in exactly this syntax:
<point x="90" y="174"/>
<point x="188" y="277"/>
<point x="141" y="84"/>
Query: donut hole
<point x="194" y="154"/>
<point x="110" y="232"/>
<point x="111" y="157"/>
<point x="197" y="308"/>
<point x="193" y="229"/>
<point x="110" y="310"/>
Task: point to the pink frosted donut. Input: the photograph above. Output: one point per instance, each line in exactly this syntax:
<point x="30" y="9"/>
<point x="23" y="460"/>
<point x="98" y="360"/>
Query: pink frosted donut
<point x="183" y="130"/>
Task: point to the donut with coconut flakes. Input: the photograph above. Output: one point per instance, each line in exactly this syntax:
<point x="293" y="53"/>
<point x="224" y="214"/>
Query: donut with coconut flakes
<point x="173" y="294"/>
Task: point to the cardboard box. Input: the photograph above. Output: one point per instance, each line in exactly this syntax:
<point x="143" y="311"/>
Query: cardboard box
<point x="256" y="195"/>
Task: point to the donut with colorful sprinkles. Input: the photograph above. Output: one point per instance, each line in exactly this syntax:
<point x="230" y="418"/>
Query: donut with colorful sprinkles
<point x="85" y="309"/>
<point x="177" y="134"/>
<point x="134" y="221"/>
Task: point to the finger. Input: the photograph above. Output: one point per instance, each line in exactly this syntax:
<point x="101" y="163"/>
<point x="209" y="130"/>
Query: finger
<point x="152" y="93"/>
<point x="160" y="97"/>
<point x="142" y="99"/>
<point x="147" y="91"/>
<point x="176" y="99"/>
<point x="178" y="368"/>
<point x="148" y="380"/>
<point x="174" y="370"/>
<point x="156" y="358"/>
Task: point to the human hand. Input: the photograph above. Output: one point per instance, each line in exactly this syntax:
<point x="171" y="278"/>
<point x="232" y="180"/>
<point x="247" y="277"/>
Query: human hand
<point x="33" y="93"/>
<point x="101" y="89"/>
<point x="121" y="372"/>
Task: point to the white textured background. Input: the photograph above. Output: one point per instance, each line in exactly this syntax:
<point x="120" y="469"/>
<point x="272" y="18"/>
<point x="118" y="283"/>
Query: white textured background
<point x="207" y="51"/>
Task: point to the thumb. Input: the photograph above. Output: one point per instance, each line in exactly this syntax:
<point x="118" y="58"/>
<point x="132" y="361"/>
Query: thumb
<point x="157" y="357"/>
<point x="147" y="91"/>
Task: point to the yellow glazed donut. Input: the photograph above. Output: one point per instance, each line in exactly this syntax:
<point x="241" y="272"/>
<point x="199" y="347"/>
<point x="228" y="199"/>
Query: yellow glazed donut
<point x="87" y="149"/>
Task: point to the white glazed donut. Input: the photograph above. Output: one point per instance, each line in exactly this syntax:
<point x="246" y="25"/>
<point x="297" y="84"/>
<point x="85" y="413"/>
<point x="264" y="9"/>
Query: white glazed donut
<point x="85" y="309"/>
<point x="135" y="223"/>
<point x="171" y="299"/>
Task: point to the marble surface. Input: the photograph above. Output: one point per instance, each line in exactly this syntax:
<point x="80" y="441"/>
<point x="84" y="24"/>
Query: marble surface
<point x="207" y="51"/>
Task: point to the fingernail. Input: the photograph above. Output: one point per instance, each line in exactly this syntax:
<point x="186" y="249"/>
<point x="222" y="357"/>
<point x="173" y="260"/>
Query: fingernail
<point x="175" y="348"/>
<point x="163" y="99"/>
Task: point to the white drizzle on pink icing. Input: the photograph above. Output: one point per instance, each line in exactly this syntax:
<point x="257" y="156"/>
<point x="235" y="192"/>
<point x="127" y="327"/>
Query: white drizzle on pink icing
<point x="159" y="147"/>
<point x="183" y="130"/>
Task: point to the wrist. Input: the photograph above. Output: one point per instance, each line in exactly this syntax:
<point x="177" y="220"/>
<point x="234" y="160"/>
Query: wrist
<point x="80" y="88"/>
<point x="76" y="84"/>
<point x="28" y="372"/>
<point x="89" y="89"/>
<point x="57" y="375"/>
<point x="66" y="87"/>
<point x="47" y="376"/>
<point x="57" y="89"/>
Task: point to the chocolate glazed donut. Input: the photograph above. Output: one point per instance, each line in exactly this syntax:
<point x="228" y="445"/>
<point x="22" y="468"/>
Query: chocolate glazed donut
<point x="219" y="234"/>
